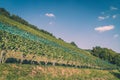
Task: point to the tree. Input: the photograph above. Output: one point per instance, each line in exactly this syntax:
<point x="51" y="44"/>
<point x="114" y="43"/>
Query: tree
<point x="117" y="59"/>
<point x="73" y="43"/>
<point x="61" y="39"/>
<point x="19" y="19"/>
<point x="4" y="12"/>
<point x="106" y="54"/>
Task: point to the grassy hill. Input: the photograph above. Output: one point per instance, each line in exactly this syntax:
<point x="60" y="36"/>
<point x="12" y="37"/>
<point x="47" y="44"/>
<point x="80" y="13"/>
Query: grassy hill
<point x="33" y="72"/>
<point x="26" y="45"/>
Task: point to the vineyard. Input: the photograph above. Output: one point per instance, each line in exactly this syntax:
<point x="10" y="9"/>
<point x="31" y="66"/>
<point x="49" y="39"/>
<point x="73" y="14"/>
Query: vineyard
<point x="20" y="41"/>
<point x="27" y="52"/>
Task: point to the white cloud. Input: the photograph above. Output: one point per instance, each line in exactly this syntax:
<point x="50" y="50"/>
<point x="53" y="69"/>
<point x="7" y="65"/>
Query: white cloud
<point x="49" y="15"/>
<point x="113" y="8"/>
<point x="103" y="17"/>
<point x="116" y="35"/>
<point x="114" y="16"/>
<point x="104" y="28"/>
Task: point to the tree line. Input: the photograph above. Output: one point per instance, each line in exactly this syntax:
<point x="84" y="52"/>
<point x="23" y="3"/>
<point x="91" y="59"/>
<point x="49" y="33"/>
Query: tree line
<point x="106" y="54"/>
<point x="22" y="21"/>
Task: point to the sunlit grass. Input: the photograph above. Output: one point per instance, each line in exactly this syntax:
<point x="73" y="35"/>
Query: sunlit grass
<point x="35" y="72"/>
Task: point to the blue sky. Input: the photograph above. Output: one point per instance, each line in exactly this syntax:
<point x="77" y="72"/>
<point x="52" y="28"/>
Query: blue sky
<point x="88" y="23"/>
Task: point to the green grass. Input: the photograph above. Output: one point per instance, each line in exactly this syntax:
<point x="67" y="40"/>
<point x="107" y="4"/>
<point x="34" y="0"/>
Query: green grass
<point x="32" y="72"/>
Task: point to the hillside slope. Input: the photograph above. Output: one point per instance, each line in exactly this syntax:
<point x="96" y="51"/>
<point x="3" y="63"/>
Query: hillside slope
<point x="25" y="45"/>
<point x="29" y="40"/>
<point x="31" y="72"/>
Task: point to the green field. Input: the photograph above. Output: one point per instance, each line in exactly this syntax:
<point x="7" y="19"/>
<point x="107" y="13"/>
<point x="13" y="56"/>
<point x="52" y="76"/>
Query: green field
<point x="32" y="72"/>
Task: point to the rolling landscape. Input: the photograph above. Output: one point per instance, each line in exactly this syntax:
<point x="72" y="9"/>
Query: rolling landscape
<point x="28" y="52"/>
